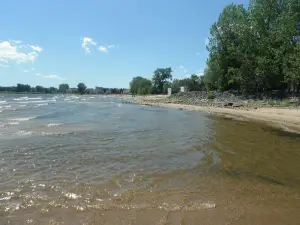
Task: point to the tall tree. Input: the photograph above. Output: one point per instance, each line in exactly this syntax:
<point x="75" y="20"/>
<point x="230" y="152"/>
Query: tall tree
<point x="161" y="76"/>
<point x="81" y="88"/>
<point x="63" y="88"/>
<point x="140" y="85"/>
<point x="255" y="49"/>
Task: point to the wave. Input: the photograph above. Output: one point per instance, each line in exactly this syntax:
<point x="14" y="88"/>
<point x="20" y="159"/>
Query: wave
<point x="7" y="106"/>
<point x="39" y="105"/>
<point x="22" y="119"/>
<point x="5" y="198"/>
<point x="23" y="133"/>
<point x="72" y="195"/>
<point x="42" y="101"/>
<point x="53" y="124"/>
<point x="13" y="123"/>
<point x="26" y="98"/>
<point x="2" y="102"/>
<point x="190" y="207"/>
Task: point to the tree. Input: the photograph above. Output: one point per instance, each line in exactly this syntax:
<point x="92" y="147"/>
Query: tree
<point x="255" y="49"/>
<point x="23" y="88"/>
<point x="140" y="85"/>
<point x="161" y="76"/>
<point x="81" y="88"/>
<point x="63" y="88"/>
<point x="39" y="88"/>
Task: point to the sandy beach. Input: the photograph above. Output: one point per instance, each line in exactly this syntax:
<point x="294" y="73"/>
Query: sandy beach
<point x="287" y="119"/>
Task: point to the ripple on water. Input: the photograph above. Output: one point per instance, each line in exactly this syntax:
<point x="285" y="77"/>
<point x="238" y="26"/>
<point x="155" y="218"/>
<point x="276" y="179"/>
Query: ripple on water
<point x="53" y="124"/>
<point x="21" y="119"/>
<point x="23" y="133"/>
<point x="13" y="123"/>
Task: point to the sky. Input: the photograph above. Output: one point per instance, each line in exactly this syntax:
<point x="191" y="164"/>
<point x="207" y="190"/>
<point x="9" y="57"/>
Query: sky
<point x="103" y="42"/>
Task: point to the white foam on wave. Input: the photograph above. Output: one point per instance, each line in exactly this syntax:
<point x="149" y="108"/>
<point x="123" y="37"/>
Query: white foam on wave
<point x="26" y="98"/>
<point x="2" y="102"/>
<point x="53" y="124"/>
<point x="40" y="105"/>
<point x="7" y="106"/>
<point x="24" y="133"/>
<point x="5" y="198"/>
<point x="72" y="195"/>
<point x="13" y="123"/>
<point x="21" y="99"/>
<point x="22" y="119"/>
<point x="39" y="101"/>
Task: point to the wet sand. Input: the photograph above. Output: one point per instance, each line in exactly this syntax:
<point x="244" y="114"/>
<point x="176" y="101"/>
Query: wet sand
<point x="283" y="118"/>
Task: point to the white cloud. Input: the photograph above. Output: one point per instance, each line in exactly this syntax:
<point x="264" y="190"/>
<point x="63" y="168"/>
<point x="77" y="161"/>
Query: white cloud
<point x="183" y="68"/>
<point x="4" y="65"/>
<point x="200" y="72"/>
<point x="111" y="46"/>
<point x="206" y="41"/>
<point x="11" y="51"/>
<point x="86" y="42"/>
<point x="17" y="41"/>
<point x="198" y="53"/>
<point x="25" y="71"/>
<point x="36" y="48"/>
<point x="50" y="76"/>
<point x="32" y="69"/>
<point x="103" y="49"/>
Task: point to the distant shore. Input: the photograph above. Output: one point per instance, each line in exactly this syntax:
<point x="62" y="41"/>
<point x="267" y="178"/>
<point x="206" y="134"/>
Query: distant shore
<point x="277" y="114"/>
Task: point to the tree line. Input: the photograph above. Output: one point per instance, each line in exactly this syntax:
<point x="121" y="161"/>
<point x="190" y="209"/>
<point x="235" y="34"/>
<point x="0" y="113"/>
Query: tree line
<point x="255" y="49"/>
<point x="251" y="50"/>
<point x="62" y="88"/>
<point x="162" y="80"/>
<point x="26" y="88"/>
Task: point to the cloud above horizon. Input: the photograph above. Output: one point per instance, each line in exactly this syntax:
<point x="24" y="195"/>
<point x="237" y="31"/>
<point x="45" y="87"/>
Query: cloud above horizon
<point x="206" y="41"/>
<point x="183" y="69"/>
<point x="103" y="49"/>
<point x="86" y="43"/>
<point x="50" y="76"/>
<point x="12" y="51"/>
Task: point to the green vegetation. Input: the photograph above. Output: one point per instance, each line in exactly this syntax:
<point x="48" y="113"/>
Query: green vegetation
<point x="256" y="49"/>
<point x="162" y="80"/>
<point x="140" y="86"/>
<point x="251" y="50"/>
<point x="81" y="88"/>
<point x="25" y="88"/>
<point x="159" y="84"/>
<point x="63" y="88"/>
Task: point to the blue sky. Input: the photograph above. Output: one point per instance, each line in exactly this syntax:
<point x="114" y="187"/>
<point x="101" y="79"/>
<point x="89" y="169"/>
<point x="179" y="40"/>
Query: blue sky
<point x="103" y="42"/>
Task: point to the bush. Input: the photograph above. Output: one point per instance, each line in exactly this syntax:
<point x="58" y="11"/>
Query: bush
<point x="210" y="95"/>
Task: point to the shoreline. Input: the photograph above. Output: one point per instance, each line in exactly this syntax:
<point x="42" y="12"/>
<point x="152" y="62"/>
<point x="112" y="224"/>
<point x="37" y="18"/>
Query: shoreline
<point x="285" y="119"/>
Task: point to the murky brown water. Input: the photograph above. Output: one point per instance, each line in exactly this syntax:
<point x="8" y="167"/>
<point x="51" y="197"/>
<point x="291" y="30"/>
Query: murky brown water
<point x="98" y="161"/>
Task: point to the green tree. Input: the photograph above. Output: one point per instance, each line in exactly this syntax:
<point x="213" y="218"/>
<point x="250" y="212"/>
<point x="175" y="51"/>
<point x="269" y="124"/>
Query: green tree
<point x="81" y="88"/>
<point x="140" y="85"/>
<point x="161" y="76"/>
<point x="63" y="88"/>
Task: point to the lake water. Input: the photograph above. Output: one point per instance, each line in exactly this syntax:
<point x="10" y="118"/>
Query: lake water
<point x="94" y="160"/>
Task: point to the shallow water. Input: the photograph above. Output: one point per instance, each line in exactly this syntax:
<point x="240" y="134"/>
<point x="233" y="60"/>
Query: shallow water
<point x="82" y="160"/>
